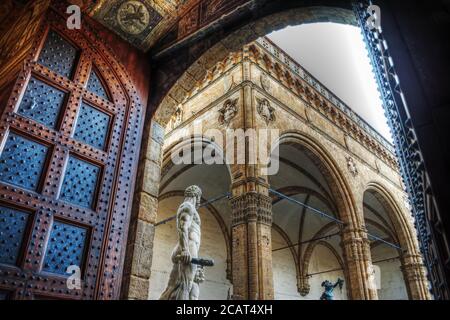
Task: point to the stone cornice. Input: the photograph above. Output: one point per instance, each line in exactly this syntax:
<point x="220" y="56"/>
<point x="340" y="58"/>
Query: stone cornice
<point x="314" y="95"/>
<point x="303" y="85"/>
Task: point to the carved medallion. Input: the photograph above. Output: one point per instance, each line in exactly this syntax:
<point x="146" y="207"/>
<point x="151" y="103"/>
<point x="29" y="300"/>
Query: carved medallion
<point x="133" y="20"/>
<point x="228" y="111"/>
<point x="133" y="17"/>
<point x="265" y="110"/>
<point x="352" y="166"/>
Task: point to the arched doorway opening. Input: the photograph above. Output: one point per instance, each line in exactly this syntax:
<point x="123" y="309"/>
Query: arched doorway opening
<point x="307" y="247"/>
<point x="385" y="258"/>
<point x="181" y="81"/>
<point x="398" y="268"/>
<point x="202" y="71"/>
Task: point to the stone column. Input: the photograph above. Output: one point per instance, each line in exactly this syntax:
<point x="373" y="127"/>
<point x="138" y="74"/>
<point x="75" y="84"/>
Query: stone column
<point x="356" y="249"/>
<point x="415" y="277"/>
<point x="139" y="252"/>
<point x="251" y="205"/>
<point x="252" y="246"/>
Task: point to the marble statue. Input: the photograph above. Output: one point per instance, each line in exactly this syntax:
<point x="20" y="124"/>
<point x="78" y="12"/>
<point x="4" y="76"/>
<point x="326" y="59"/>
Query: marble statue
<point x="329" y="287"/>
<point x="186" y="276"/>
<point x="199" y="278"/>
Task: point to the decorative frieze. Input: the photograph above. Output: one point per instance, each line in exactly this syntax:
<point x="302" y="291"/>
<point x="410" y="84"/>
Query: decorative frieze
<point x="293" y="76"/>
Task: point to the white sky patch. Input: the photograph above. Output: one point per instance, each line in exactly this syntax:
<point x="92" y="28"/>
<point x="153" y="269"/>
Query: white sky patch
<point x="335" y="54"/>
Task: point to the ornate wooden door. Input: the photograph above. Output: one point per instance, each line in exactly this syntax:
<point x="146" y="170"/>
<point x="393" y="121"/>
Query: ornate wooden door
<point x="69" y="138"/>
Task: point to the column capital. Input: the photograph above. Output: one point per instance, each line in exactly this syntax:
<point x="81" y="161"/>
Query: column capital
<point x="251" y="206"/>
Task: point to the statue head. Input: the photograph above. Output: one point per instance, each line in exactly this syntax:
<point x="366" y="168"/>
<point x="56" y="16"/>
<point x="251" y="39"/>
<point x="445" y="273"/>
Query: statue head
<point x="193" y="192"/>
<point x="326" y="283"/>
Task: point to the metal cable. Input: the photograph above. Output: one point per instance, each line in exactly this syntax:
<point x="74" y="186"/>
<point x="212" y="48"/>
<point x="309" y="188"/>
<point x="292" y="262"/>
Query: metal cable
<point x="325" y="215"/>
<point x="204" y="204"/>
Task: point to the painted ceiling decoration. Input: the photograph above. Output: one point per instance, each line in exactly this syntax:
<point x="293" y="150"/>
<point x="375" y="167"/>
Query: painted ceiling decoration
<point x="143" y="23"/>
<point x="140" y="22"/>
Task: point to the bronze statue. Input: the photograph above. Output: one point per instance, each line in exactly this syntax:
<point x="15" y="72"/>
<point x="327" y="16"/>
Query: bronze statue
<point x="329" y="288"/>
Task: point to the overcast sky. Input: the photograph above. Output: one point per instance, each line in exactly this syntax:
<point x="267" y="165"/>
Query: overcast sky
<point x="335" y="55"/>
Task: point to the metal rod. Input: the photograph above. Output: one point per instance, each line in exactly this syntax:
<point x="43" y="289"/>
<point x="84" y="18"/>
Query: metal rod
<point x="322" y="214"/>
<point x="307" y="241"/>
<point x="321" y="272"/>
<point x="327" y="271"/>
<point x="226" y="195"/>
<point x="384" y="241"/>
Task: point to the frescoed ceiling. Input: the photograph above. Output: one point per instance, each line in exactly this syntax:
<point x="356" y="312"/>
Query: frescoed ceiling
<point x="140" y="22"/>
<point x="145" y="22"/>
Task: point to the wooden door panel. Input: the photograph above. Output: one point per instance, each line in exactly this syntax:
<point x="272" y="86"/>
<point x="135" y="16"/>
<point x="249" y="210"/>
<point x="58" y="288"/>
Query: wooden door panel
<point x="68" y="150"/>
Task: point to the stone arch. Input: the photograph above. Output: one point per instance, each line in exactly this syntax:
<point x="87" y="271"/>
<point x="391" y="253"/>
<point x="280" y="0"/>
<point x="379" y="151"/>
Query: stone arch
<point x="196" y="140"/>
<point x="331" y="249"/>
<point x="175" y="91"/>
<point x="310" y="248"/>
<point x="410" y="257"/>
<point x="306" y="258"/>
<point x="335" y="254"/>
<point x="356" y="250"/>
<point x="342" y="196"/>
<point x="402" y="228"/>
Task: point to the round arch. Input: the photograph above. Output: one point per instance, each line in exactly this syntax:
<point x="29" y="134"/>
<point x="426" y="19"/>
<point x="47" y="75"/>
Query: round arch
<point x="404" y="234"/>
<point x="341" y="194"/>
<point x="355" y="244"/>
<point x="182" y="80"/>
<point x="179" y="147"/>
<point x="403" y="230"/>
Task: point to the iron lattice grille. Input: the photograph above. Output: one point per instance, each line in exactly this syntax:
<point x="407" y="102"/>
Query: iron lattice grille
<point x="62" y="159"/>
<point x="407" y="149"/>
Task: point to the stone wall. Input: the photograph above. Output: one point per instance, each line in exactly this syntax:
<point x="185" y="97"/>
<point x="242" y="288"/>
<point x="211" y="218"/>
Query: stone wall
<point x="392" y="284"/>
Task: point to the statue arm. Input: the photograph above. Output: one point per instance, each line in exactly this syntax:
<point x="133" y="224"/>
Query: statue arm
<point x="339" y="283"/>
<point x="183" y="223"/>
